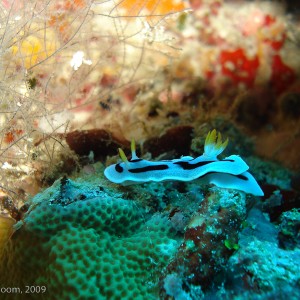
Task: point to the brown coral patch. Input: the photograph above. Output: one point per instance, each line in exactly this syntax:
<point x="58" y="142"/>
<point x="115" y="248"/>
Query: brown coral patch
<point x="282" y="146"/>
<point x="100" y="141"/>
<point x="176" y="139"/>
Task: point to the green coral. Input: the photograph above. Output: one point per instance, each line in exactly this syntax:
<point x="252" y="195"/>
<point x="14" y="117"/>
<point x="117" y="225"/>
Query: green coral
<point x="84" y="243"/>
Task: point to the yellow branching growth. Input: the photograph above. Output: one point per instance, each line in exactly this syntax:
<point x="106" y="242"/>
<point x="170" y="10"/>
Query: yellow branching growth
<point x="156" y="7"/>
<point x="35" y="48"/>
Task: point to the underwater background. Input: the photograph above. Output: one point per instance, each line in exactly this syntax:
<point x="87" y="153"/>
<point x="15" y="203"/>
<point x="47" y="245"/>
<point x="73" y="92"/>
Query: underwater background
<point x="185" y="80"/>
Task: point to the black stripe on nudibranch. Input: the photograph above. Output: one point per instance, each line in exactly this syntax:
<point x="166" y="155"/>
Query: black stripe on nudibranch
<point x="241" y="177"/>
<point x="186" y="165"/>
<point x="230" y="160"/>
<point x="136" y="160"/>
<point x="118" y="168"/>
<point x="148" y="169"/>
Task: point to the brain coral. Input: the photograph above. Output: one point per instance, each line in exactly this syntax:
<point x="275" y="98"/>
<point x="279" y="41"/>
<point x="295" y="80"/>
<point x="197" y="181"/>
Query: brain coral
<point x="84" y="243"/>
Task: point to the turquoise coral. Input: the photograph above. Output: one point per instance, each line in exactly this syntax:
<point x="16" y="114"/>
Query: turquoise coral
<point x="90" y="246"/>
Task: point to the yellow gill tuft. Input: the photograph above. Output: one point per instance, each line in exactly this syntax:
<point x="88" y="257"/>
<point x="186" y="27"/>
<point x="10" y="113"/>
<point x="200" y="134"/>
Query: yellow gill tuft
<point x="213" y="143"/>
<point x="123" y="156"/>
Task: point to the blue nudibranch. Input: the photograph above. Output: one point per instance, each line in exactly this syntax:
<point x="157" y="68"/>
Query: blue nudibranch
<point x="230" y="172"/>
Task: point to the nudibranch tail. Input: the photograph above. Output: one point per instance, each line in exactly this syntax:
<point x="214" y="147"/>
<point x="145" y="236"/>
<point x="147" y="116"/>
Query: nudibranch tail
<point x="213" y="144"/>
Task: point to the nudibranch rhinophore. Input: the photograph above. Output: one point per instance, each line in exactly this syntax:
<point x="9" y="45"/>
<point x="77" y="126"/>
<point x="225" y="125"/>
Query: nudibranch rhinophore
<point x="230" y="172"/>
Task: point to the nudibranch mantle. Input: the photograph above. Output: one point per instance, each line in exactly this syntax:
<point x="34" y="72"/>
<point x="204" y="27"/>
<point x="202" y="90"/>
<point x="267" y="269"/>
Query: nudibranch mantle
<point x="230" y="172"/>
